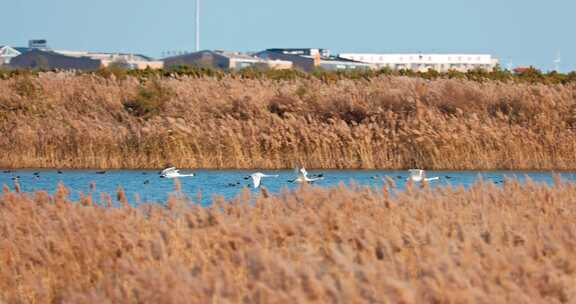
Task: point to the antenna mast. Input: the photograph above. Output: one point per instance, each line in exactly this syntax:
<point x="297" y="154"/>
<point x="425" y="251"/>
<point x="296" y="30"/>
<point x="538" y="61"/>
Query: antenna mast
<point x="197" y="25"/>
<point x="557" y="62"/>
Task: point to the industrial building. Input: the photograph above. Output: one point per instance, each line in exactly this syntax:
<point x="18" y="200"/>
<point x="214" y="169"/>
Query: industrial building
<point x="49" y="60"/>
<point x="312" y="59"/>
<point x="230" y="61"/>
<point x="129" y="61"/>
<point x="304" y="59"/>
<point x="425" y="62"/>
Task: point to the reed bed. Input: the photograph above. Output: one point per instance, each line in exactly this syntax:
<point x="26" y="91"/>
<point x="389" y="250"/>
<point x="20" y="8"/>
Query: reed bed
<point x="488" y="244"/>
<point x="88" y="121"/>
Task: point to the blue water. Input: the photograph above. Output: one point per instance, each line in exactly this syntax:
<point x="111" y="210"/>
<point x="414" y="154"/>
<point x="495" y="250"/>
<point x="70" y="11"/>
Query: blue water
<point x="209" y="183"/>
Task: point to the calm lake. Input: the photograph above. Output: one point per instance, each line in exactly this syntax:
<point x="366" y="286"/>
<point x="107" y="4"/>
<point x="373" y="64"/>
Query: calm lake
<point x="229" y="183"/>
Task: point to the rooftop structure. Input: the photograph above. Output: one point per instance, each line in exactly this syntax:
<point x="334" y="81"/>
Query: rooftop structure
<point x="38" y="44"/>
<point x="312" y="52"/>
<point x="424" y="62"/>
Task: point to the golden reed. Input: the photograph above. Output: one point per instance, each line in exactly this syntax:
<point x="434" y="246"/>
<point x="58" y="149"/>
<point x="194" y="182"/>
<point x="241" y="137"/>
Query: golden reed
<point x="87" y="121"/>
<point x="487" y="244"/>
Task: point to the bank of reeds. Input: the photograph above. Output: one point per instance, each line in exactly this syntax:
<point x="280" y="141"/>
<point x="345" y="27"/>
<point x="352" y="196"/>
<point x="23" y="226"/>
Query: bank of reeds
<point x="488" y="244"/>
<point x="79" y="121"/>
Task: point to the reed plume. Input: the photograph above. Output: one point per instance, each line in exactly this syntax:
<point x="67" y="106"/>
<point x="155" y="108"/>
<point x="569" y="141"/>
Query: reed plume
<point x="486" y="244"/>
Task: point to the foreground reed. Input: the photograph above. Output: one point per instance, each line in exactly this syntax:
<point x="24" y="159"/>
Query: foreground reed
<point x="87" y="121"/>
<point x="514" y="244"/>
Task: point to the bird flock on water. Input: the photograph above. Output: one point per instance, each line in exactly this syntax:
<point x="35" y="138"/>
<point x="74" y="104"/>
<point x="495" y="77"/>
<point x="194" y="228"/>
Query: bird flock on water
<point x="257" y="179"/>
<point x="302" y="177"/>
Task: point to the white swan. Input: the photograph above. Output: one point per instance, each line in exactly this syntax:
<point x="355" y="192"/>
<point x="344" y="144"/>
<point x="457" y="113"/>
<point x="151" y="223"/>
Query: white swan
<point x="257" y="178"/>
<point x="419" y="175"/>
<point x="303" y="177"/>
<point x="172" y="172"/>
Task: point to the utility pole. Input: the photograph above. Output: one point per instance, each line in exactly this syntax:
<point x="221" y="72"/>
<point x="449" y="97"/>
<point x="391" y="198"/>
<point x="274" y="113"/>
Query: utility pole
<point x="557" y="62"/>
<point x="197" y="25"/>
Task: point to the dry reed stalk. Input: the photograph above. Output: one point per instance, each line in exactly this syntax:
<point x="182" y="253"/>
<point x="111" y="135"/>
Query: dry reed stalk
<point x="83" y="121"/>
<point x="486" y="244"/>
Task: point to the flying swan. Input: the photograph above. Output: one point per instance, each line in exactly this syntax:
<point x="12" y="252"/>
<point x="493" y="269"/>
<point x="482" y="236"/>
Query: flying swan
<point x="418" y="175"/>
<point x="172" y="172"/>
<point x="257" y="178"/>
<point x="303" y="177"/>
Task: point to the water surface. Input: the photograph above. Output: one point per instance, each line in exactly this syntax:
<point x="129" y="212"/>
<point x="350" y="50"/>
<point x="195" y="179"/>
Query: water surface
<point x="229" y="183"/>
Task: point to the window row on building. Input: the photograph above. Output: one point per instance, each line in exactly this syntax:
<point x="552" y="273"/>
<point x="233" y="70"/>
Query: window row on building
<point x="439" y="62"/>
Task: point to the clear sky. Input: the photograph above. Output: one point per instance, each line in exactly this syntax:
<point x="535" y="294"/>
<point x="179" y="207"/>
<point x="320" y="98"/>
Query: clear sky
<point x="527" y="32"/>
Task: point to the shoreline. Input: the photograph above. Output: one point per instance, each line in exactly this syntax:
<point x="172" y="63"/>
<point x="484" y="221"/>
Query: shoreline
<point x="2" y="169"/>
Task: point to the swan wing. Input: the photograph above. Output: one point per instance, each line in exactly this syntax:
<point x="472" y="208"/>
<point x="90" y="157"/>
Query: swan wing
<point x="256" y="180"/>
<point x="303" y="172"/>
<point x="170" y="170"/>
<point x="264" y="175"/>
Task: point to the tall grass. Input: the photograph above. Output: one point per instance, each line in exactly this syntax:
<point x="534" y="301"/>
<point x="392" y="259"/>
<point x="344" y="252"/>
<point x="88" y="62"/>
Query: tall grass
<point x="483" y="245"/>
<point x="87" y="120"/>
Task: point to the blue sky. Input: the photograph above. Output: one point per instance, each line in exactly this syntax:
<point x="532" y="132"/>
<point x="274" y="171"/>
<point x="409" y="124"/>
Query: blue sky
<point x="527" y="32"/>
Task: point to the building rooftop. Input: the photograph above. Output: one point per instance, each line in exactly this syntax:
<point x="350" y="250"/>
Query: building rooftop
<point x="236" y="55"/>
<point x="104" y="55"/>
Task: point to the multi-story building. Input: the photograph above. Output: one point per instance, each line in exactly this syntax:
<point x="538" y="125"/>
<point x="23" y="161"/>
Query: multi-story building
<point x="425" y="62"/>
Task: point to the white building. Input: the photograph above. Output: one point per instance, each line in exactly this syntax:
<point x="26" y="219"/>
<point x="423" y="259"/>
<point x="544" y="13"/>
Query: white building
<point x="424" y="62"/>
<point x="7" y="53"/>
